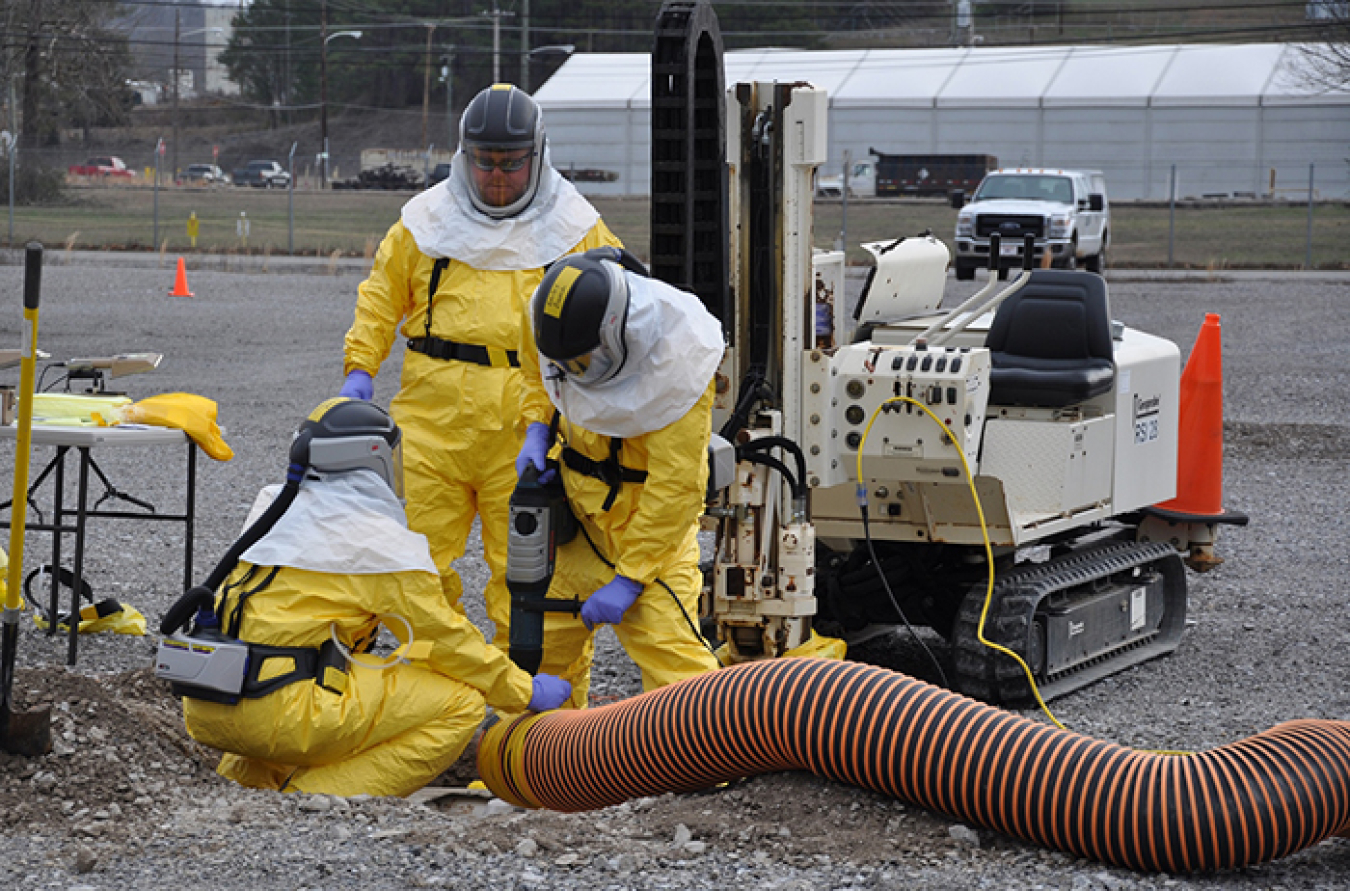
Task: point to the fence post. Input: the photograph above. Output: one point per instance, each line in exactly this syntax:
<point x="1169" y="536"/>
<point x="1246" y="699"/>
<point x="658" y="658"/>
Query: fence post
<point x="290" y="200"/>
<point x="1171" y="213"/>
<point x="1307" y="263"/>
<point x="159" y="153"/>
<point x="843" y="204"/>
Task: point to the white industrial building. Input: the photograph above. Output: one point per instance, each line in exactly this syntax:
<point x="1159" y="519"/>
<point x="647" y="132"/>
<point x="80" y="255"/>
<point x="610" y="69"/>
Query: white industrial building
<point x="1231" y="119"/>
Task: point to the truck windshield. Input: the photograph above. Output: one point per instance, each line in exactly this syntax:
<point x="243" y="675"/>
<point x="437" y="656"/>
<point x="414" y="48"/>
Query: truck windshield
<point x="1026" y="186"/>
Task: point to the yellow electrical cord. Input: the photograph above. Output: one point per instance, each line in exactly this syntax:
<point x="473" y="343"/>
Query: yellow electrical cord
<point x="984" y="534"/>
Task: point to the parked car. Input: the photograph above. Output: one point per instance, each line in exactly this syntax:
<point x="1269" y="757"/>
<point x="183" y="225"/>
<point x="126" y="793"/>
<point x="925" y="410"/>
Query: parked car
<point x="1066" y="211"/>
<point x="439" y="173"/>
<point x="262" y="175"/>
<point x="203" y="175"/>
<point x="104" y="166"/>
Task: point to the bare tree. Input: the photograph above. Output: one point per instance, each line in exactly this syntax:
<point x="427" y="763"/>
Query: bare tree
<point x="67" y="69"/>
<point x="1328" y="57"/>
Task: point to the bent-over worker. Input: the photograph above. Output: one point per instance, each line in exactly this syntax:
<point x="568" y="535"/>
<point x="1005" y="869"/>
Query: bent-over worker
<point x="626" y="362"/>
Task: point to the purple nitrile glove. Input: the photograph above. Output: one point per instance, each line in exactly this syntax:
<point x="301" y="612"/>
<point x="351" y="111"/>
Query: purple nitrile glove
<point x="608" y="604"/>
<point x="549" y="693"/>
<point x="534" y="451"/>
<point x="358" y="386"/>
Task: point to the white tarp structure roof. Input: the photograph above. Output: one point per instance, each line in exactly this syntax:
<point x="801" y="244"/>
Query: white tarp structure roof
<point x="1143" y="107"/>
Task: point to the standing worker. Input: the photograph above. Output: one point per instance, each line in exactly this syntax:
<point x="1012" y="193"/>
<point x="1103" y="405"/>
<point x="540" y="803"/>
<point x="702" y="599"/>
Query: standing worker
<point x="324" y="562"/>
<point x="627" y="383"/>
<point x="453" y="276"/>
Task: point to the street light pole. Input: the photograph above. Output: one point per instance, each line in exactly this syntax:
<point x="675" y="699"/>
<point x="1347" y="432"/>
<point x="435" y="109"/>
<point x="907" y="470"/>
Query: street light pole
<point x="324" y="37"/>
<point x="176" y="76"/>
<point x="564" y="49"/>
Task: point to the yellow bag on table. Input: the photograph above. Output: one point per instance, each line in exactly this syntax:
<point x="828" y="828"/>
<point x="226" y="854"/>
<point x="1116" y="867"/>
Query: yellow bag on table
<point x="194" y="415"/>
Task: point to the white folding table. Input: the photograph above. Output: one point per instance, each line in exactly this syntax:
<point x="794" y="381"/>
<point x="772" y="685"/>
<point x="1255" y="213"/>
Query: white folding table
<point x="84" y="440"/>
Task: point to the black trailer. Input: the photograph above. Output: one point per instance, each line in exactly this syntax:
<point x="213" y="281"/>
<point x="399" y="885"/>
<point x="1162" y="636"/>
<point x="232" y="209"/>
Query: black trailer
<point x="913" y="175"/>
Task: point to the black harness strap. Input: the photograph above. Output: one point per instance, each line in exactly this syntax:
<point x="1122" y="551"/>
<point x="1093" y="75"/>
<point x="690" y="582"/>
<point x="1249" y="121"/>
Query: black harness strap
<point x="449" y="350"/>
<point x="610" y="471"/>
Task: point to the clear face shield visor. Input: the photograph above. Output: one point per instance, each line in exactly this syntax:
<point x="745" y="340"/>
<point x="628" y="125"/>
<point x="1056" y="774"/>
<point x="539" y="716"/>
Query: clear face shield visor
<point x="502" y="180"/>
<point x="607" y="358"/>
<point x="346" y="453"/>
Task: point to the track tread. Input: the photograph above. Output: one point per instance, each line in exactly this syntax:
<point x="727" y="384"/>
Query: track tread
<point x="984" y="673"/>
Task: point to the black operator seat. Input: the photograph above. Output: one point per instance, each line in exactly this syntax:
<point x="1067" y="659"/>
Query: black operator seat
<point x="1050" y="342"/>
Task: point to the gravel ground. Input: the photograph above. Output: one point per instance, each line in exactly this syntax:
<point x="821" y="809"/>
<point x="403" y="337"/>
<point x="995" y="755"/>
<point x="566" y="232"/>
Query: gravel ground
<point x="127" y="800"/>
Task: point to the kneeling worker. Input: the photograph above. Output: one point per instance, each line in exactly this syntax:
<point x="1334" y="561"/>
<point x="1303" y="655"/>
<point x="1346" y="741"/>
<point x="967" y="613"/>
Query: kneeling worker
<point x="326" y="562"/>
<point x="621" y="366"/>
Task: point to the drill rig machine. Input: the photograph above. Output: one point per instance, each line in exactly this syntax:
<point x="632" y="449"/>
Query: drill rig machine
<point x="988" y="472"/>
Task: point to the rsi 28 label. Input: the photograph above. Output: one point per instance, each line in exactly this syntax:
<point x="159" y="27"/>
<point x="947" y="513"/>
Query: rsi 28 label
<point x="1146" y="413"/>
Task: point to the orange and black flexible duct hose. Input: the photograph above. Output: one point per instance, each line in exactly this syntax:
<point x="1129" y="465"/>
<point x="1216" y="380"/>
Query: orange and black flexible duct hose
<point x="1255" y="800"/>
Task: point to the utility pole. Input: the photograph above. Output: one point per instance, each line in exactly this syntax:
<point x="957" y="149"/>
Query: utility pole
<point x="496" y="43"/>
<point x="496" y="15"/>
<point x="177" y="33"/>
<point x="525" y="45"/>
<point x="323" y="94"/>
<point x="448" y="75"/>
<point x="426" y="83"/>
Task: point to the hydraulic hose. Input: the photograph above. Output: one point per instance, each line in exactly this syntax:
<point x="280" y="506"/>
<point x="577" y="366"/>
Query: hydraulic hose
<point x="1248" y="802"/>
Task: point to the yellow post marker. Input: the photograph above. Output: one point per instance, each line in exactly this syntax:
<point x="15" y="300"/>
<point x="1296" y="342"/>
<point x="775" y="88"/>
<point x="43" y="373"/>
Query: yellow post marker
<point x="21" y="733"/>
<point x="193" y="226"/>
<point x="27" y="376"/>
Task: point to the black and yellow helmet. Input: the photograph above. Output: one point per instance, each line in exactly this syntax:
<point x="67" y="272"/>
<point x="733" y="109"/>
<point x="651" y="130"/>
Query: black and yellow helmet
<point x="345" y="434"/>
<point x="580" y="310"/>
<point x="503" y="117"/>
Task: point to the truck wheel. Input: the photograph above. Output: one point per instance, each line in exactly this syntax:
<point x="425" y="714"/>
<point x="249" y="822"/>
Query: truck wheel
<point x="1097" y="262"/>
<point x="1071" y="257"/>
<point x="964" y="271"/>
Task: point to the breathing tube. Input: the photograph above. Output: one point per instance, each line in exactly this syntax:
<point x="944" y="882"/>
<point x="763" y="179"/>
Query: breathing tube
<point x="199" y="601"/>
<point x="1248" y="802"/>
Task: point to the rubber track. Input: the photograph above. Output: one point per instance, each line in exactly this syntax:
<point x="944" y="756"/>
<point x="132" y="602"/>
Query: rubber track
<point x="987" y="674"/>
<point x="1252" y="801"/>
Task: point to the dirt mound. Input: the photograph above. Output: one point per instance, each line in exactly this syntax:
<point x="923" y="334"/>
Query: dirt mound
<point x="119" y="750"/>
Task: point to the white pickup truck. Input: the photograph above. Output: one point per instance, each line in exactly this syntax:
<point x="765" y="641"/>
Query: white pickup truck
<point x="1065" y="210"/>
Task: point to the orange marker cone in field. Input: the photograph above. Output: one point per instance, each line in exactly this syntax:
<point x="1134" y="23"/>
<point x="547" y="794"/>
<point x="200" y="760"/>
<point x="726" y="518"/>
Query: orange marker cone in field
<point x="1200" y="439"/>
<point x="180" y="288"/>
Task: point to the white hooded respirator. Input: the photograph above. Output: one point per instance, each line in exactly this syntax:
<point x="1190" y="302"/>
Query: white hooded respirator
<point x="581" y="314"/>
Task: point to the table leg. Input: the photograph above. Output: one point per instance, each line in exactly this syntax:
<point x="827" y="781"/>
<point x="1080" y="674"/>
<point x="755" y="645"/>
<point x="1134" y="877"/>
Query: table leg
<point x="58" y="520"/>
<point x="81" y="517"/>
<point x="190" y="522"/>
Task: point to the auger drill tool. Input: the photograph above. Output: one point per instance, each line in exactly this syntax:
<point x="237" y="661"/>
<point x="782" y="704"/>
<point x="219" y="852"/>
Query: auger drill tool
<point x="540" y="523"/>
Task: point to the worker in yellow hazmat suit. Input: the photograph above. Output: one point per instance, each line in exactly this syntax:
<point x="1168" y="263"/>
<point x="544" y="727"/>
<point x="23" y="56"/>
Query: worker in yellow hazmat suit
<point x="627" y="363"/>
<point x="453" y="277"/>
<point x="311" y="593"/>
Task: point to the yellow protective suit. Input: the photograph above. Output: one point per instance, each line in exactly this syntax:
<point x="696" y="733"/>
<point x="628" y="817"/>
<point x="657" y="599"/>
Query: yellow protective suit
<point x="461" y="421"/>
<point x="649" y="534"/>
<point x="390" y="731"/>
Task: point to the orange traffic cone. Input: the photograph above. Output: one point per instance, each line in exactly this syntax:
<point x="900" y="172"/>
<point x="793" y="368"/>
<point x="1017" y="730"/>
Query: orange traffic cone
<point x="1200" y="439"/>
<point x="180" y="288"/>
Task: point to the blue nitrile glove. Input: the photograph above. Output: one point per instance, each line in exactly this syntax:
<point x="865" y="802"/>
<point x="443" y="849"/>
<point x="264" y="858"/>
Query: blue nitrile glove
<point x="358" y="386"/>
<point x="549" y="693"/>
<point x="534" y="451"/>
<point x="607" y="605"/>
